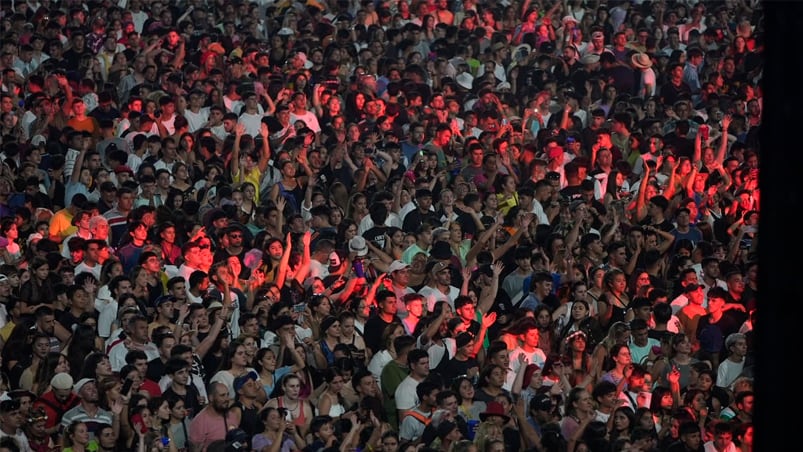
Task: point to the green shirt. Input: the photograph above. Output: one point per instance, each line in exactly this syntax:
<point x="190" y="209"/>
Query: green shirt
<point x="392" y="374"/>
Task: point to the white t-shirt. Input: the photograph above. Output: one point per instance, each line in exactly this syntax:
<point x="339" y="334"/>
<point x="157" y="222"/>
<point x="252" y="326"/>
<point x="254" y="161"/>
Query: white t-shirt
<point x="537" y="357"/>
<point x="406" y="398"/>
<point x="434" y="295"/>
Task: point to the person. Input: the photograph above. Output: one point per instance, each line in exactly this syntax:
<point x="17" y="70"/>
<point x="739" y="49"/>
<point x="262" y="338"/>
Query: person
<point x="11" y="422"/>
<point x="415" y="420"/>
<point x="88" y="410"/>
<point x="212" y="422"/>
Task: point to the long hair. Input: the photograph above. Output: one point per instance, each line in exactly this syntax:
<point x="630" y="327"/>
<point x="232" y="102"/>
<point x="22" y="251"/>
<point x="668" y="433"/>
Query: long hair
<point x="46" y="371"/>
<point x="82" y="346"/>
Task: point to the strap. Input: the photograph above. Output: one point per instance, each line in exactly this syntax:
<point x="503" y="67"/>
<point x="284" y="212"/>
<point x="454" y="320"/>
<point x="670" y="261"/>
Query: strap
<point x="418" y="416"/>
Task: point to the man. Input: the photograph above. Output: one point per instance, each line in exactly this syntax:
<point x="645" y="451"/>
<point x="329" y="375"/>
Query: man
<point x="46" y="324"/>
<point x="213" y="422"/>
<point x="512" y="284"/>
<point x="690" y="438"/>
<point x="11" y="421"/>
<point x="393" y="374"/>
<point x="723" y="439"/>
<point x="88" y="411"/>
<point x="246" y="408"/>
<point x="423" y="242"/>
<point x="364" y="385"/>
<point x="540" y="291"/>
<point x="181" y="381"/>
<point x="422" y="214"/>
<point x="405" y="394"/>
<point x="137" y="333"/>
<point x="528" y="348"/>
<point x="57" y="401"/>
<point x="463" y="362"/>
<point x="298" y="103"/>
<point x="415" y="420"/>
<point x="156" y="367"/>
<point x="640" y="343"/>
<point x="165" y="312"/>
<point x="90" y="262"/>
<point x="399" y="274"/>
<point x="414" y="305"/>
<point x="713" y="328"/>
<point x="606" y="395"/>
<point x="191" y="252"/>
<point x="376" y="324"/>
<point x="118" y="216"/>
<point x="439" y="287"/>
<point x="731" y="368"/>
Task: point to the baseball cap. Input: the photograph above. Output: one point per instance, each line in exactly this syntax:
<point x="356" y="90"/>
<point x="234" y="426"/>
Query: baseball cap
<point x="541" y="402"/>
<point x="3" y="278"/>
<point x="62" y="381"/>
<point x="394" y="266"/>
<point x="81" y="383"/>
<point x="243" y="379"/>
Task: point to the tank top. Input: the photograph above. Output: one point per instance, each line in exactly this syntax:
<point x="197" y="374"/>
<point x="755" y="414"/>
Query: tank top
<point x="301" y="419"/>
<point x="249" y="420"/>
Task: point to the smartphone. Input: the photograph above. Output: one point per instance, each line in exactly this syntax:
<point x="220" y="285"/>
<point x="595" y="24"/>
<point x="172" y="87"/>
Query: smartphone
<point x="126" y="386"/>
<point x="300" y="307"/>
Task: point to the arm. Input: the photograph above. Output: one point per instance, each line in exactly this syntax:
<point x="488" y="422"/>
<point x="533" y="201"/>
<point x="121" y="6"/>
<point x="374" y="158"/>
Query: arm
<point x="203" y="348"/>
<point x="487" y="321"/>
<point x="723" y="140"/>
<point x="525" y="224"/>
<point x="529" y="436"/>
<point x="303" y="270"/>
<point x="288" y="247"/>
<point x="641" y="198"/>
<point x="436" y="325"/>
<point x="488" y="294"/>
<point x="518" y="382"/>
<point x="239" y="129"/>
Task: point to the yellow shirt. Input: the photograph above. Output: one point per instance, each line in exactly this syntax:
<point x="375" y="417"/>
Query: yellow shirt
<point x="505" y="204"/>
<point x="254" y="177"/>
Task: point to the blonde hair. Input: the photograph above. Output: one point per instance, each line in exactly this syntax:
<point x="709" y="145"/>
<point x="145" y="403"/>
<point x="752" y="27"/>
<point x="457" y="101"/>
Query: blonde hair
<point x="486" y="432"/>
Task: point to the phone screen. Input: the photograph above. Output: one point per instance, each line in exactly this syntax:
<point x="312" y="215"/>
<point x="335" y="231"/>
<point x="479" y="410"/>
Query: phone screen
<point x="126" y="386"/>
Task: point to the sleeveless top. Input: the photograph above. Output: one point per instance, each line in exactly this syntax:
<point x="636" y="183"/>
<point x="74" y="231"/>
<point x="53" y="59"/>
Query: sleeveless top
<point x="249" y="420"/>
<point x="357" y="355"/>
<point x="294" y="196"/>
<point x="301" y="419"/>
<point x="329" y="354"/>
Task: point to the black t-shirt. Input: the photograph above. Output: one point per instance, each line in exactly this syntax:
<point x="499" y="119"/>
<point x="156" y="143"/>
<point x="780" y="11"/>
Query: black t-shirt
<point x="454" y="368"/>
<point x="372" y="333"/>
<point x="190" y="399"/>
<point x="376" y="235"/>
<point x="156" y="369"/>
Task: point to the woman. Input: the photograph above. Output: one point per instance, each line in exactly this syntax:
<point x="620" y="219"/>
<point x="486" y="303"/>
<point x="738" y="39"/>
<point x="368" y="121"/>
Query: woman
<point x="360" y="354"/>
<point x="39" y="289"/>
<point x="468" y="408"/>
<point x="271" y="259"/>
<point x="171" y="250"/>
<point x="357" y="207"/>
<point x="80" y="354"/>
<point x="331" y="402"/>
<point x="619" y="333"/>
<point x="622" y="423"/>
<point x="247" y="205"/>
<point x="547" y="340"/>
<point x="579" y="319"/>
<point x="488" y="433"/>
<point x="579" y="358"/>
<point x="662" y="404"/>
<point x="617" y="306"/>
<point x="290" y="187"/>
<point x="147" y="287"/>
<point x="362" y="310"/>
<point x="234" y="364"/>
<point x="76" y="438"/>
<point x="178" y="426"/>
<point x="578" y="410"/>
<point x="329" y="338"/>
<point x="386" y="353"/>
<point x="346" y="231"/>
<point x="679" y="358"/>
<point x="491" y="380"/>
<point x="297" y="410"/>
<point x="459" y="245"/>
<point x="160" y="415"/>
<point x="11" y="254"/>
<point x="265" y="364"/>
<point x="182" y="181"/>
<point x="277" y="428"/>
<point x="53" y="364"/>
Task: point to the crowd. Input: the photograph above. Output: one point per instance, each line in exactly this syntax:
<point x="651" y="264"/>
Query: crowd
<point x="379" y="225"/>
